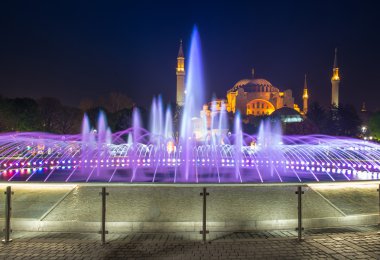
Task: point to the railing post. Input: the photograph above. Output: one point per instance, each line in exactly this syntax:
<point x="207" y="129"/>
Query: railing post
<point x="378" y="190"/>
<point x="8" y="211"/>
<point x="204" y="230"/>
<point x="103" y="231"/>
<point x="299" y="192"/>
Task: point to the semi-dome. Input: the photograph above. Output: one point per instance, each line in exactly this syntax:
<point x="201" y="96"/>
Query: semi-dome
<point x="287" y="115"/>
<point x="254" y="85"/>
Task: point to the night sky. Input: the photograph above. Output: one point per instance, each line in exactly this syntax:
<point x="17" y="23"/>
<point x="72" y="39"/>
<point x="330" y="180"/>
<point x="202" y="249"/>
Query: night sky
<point x="78" y="49"/>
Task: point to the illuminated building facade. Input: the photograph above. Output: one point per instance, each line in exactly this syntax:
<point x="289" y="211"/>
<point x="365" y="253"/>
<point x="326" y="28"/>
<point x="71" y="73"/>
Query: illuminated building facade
<point x="251" y="97"/>
<point x="258" y="97"/>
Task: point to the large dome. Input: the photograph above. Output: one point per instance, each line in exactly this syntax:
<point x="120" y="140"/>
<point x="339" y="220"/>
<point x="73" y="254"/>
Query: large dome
<point x="254" y="85"/>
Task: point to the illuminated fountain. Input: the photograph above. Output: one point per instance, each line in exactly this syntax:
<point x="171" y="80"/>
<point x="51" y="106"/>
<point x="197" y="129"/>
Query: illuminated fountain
<point x="198" y="154"/>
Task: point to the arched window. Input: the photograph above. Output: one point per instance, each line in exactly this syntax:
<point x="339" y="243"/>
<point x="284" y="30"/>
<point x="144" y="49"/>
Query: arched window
<point x="259" y="107"/>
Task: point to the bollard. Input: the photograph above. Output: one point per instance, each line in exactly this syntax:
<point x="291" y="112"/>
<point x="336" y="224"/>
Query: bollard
<point x="8" y="210"/>
<point x="103" y="231"/>
<point x="299" y="229"/>
<point x="204" y="230"/>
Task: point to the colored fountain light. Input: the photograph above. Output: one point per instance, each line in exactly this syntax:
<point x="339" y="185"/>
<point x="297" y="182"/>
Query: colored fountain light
<point x="202" y="152"/>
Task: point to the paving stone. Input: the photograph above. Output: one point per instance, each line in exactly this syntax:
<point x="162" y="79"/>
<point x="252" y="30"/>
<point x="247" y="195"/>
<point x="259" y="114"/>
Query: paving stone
<point x="361" y="243"/>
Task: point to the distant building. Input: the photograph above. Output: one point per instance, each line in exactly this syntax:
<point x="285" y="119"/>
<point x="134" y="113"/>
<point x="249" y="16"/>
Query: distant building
<point x="251" y="97"/>
<point x="305" y="98"/>
<point x="180" y="72"/>
<point x="255" y="96"/>
<point x="258" y="97"/>
<point x="335" y="80"/>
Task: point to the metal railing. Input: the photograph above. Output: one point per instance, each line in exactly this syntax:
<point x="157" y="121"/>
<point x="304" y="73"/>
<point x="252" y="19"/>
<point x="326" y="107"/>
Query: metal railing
<point x="204" y="193"/>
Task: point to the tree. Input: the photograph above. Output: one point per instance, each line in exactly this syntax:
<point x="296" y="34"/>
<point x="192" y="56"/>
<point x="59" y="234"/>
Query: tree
<point x="86" y="104"/>
<point x="332" y="125"/>
<point x="305" y="127"/>
<point x="117" y="101"/>
<point x="69" y="120"/>
<point x="349" y="120"/>
<point x="114" y="102"/>
<point x="317" y="115"/>
<point x="121" y="119"/>
<point x="342" y="120"/>
<point x="49" y="110"/>
<point x="19" y="114"/>
<point x="93" y="115"/>
<point x="374" y="125"/>
<point x="57" y="118"/>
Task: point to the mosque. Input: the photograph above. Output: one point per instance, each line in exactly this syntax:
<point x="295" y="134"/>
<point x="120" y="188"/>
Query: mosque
<point x="259" y="97"/>
<point x="256" y="96"/>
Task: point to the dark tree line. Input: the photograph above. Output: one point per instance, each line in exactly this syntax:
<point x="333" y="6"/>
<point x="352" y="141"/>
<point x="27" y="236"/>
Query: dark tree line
<point x="341" y="121"/>
<point x="50" y="115"/>
<point x="44" y="114"/>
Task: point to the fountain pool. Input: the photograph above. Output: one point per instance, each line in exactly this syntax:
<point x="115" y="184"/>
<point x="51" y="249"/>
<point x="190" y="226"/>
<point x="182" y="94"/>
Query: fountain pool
<point x="213" y="155"/>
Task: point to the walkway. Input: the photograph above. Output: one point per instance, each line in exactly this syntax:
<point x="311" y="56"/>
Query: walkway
<point x="354" y="243"/>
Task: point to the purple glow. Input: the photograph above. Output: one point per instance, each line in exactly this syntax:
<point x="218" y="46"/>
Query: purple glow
<point x="233" y="161"/>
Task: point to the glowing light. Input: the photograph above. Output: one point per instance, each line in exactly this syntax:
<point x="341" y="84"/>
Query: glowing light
<point x="170" y="147"/>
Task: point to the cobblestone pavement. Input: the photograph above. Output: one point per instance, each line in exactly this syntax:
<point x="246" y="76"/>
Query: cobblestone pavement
<point x="354" y="243"/>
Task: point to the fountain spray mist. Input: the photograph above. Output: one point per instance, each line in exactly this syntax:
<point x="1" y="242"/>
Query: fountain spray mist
<point x="193" y="101"/>
<point x="194" y="86"/>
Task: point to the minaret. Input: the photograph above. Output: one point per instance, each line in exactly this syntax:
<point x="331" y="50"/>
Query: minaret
<point x="180" y="71"/>
<point x="335" y="82"/>
<point x="305" y="97"/>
